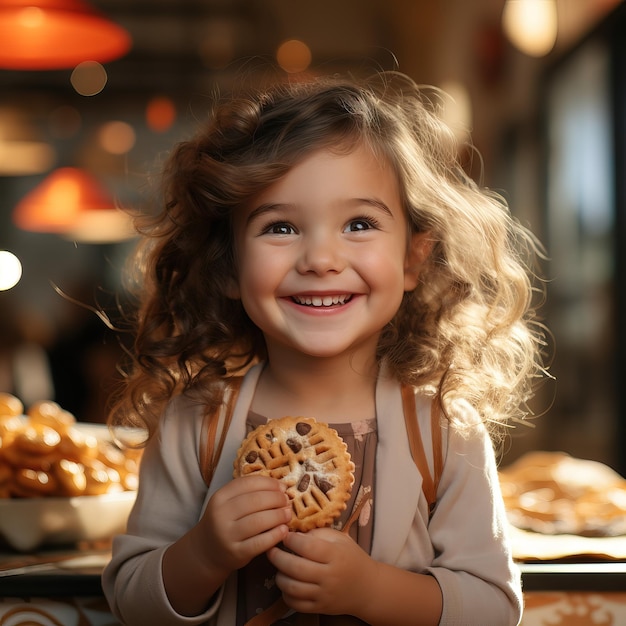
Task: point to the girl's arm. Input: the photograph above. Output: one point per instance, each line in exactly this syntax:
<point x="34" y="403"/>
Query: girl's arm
<point x="167" y="563"/>
<point x="169" y="503"/>
<point x="403" y="597"/>
<point x="469" y="532"/>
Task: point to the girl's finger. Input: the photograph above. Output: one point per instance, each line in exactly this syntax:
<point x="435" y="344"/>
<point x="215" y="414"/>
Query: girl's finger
<point x="248" y="484"/>
<point x="249" y="504"/>
<point x="293" y="565"/>
<point x="263" y="520"/>
<point x="262" y="542"/>
<point x="313" y="545"/>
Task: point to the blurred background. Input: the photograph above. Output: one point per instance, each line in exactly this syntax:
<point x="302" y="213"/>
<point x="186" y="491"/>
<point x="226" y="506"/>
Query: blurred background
<point x="540" y="84"/>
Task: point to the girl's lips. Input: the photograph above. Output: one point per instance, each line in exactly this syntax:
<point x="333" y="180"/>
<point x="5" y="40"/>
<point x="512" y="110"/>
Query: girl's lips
<point x="322" y="300"/>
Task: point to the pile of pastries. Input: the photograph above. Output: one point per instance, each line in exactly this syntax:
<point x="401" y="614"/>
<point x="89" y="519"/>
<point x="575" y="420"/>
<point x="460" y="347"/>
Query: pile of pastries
<point x="43" y="452"/>
<point x="555" y="493"/>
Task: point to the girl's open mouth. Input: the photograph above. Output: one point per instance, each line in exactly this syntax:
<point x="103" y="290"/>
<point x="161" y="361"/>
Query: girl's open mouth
<point x="322" y="301"/>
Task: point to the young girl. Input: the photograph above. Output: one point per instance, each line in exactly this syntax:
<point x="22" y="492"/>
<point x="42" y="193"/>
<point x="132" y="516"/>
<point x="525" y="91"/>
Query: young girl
<point x="323" y="239"/>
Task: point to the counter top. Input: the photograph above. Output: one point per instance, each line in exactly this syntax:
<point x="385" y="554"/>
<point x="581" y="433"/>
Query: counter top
<point x="591" y="576"/>
<point x="52" y="573"/>
<point x="74" y="572"/>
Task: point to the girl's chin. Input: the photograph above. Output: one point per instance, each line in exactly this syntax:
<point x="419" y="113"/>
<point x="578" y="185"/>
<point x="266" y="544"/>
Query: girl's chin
<point x="321" y="347"/>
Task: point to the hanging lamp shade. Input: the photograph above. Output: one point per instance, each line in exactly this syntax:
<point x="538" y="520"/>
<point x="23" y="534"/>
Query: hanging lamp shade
<point x="72" y="203"/>
<point x="57" y="34"/>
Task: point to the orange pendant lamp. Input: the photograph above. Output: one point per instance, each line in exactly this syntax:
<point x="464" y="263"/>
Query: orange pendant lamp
<point x="72" y="203"/>
<point x="56" y="34"/>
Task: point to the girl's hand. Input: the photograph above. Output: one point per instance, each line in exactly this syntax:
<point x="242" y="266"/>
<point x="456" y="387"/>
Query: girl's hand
<point x="327" y="572"/>
<point x="243" y="519"/>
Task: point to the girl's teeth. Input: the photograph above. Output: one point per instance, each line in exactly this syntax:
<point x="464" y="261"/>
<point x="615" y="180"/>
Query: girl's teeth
<point x="320" y="301"/>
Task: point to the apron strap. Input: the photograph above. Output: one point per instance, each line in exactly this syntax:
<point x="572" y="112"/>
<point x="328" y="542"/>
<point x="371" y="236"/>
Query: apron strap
<point x="210" y="452"/>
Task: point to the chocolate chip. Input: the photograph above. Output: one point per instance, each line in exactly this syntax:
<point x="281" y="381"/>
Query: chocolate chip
<point x="252" y="456"/>
<point x="303" y="485"/>
<point x="324" y="485"/>
<point x="294" y="445"/>
<point x="303" y="428"/>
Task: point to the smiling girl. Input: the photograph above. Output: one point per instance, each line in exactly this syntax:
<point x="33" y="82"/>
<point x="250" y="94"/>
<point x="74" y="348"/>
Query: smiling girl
<point x="322" y="239"/>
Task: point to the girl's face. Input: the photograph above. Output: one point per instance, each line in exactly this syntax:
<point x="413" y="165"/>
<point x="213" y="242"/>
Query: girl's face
<point x="323" y="255"/>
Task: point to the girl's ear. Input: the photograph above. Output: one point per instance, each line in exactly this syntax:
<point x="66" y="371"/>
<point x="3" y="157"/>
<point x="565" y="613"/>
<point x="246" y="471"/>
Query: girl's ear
<point x="420" y="247"/>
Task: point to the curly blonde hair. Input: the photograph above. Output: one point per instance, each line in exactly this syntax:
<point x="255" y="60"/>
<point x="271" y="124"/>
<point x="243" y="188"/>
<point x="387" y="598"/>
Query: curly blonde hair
<point x="468" y="330"/>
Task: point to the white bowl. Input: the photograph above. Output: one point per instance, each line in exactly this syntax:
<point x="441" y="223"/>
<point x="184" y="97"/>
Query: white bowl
<point x="27" y="523"/>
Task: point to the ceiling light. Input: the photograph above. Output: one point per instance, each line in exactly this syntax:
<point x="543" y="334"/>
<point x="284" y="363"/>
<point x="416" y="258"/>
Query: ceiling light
<point x="531" y="25"/>
<point x="72" y="203"/>
<point x="10" y="270"/>
<point x="56" y="34"/>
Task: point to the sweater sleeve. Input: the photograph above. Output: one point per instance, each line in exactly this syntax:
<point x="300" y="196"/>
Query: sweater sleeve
<point x="169" y="502"/>
<point x="468" y="530"/>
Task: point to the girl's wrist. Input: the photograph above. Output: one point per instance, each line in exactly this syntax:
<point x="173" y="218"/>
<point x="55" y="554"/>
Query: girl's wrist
<point x="199" y="555"/>
<point x="366" y="590"/>
<point x="188" y="587"/>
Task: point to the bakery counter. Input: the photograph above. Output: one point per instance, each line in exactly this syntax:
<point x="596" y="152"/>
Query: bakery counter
<point x="574" y="594"/>
<point x="63" y="587"/>
<point x="588" y="577"/>
<point x="54" y="588"/>
<point x="572" y="580"/>
<point x="60" y="573"/>
<point x="52" y="573"/>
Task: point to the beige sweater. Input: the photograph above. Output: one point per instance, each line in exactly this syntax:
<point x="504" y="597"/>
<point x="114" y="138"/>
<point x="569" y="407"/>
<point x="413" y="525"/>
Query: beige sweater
<point x="464" y="545"/>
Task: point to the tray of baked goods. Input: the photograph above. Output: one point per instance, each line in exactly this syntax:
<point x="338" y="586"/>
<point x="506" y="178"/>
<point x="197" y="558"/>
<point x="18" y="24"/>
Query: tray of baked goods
<point x="562" y="507"/>
<point x="61" y="481"/>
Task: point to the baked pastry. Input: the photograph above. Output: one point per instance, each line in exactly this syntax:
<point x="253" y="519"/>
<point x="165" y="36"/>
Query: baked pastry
<point x="44" y="453"/>
<point x="553" y="493"/>
<point x="310" y="458"/>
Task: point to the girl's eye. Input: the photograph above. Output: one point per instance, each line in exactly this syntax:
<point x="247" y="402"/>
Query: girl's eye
<point x="358" y="225"/>
<point x="279" y="228"/>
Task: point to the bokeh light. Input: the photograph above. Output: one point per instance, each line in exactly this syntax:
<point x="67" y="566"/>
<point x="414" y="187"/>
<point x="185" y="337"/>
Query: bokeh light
<point x="10" y="270"/>
<point x="89" y="78"/>
<point x="294" y="56"/>
<point x="160" y="114"/>
<point x="117" y="137"/>
<point x="531" y="25"/>
<point x="457" y="108"/>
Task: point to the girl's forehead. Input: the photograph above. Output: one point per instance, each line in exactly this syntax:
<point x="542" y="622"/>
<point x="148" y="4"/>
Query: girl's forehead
<point x="366" y="153"/>
<point x="340" y="168"/>
<point x="327" y="178"/>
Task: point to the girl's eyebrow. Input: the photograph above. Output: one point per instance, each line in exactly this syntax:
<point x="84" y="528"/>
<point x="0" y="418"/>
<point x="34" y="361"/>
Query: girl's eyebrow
<point x="266" y="208"/>
<point x="274" y="206"/>
<point x="375" y="202"/>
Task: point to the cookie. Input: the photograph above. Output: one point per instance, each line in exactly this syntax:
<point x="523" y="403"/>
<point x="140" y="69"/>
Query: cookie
<point x="310" y="458"/>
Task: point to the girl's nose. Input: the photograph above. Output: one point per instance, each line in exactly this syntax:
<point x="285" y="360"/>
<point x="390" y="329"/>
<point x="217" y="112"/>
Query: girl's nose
<point x="319" y="255"/>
